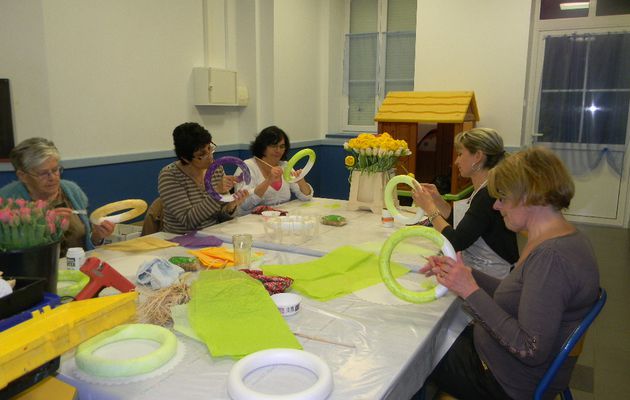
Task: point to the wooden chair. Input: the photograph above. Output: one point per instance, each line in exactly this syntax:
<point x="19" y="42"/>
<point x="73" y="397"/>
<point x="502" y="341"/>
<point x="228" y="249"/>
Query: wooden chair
<point x="153" y="219"/>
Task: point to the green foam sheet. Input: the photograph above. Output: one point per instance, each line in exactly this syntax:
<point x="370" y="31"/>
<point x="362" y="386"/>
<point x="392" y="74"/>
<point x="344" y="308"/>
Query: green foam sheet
<point x="234" y="315"/>
<point x="338" y="273"/>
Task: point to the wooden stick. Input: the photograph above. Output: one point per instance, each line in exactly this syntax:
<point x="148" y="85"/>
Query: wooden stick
<point x="264" y="162"/>
<point x="319" y="339"/>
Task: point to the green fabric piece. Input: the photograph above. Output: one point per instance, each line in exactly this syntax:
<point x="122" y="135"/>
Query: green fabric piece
<point x="338" y="273"/>
<point x="234" y="315"/>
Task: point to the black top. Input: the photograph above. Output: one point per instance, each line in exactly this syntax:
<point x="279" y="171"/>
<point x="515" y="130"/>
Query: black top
<point x="482" y="220"/>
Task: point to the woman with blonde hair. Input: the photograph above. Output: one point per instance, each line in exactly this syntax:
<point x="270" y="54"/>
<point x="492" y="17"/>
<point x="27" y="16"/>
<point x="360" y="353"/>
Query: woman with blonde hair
<point x="521" y="322"/>
<point x="472" y="225"/>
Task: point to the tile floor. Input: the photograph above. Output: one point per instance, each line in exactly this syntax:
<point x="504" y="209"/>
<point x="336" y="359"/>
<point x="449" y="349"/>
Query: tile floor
<point x="603" y="369"/>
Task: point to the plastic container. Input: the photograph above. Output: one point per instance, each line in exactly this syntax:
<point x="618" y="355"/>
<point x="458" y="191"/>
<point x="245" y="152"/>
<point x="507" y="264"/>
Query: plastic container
<point x="26" y="293"/>
<point x="47" y="299"/>
<point x="287" y="303"/>
<point x="387" y="219"/>
<point x="75" y="258"/>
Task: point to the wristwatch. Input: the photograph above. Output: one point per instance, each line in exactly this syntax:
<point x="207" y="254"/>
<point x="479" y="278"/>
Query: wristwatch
<point x="433" y="216"/>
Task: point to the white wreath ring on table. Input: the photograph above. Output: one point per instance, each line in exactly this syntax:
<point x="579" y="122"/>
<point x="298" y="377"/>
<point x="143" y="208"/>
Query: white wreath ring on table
<point x="267" y="358"/>
<point x="114" y="368"/>
<point x="385" y="268"/>
<point x="70" y="275"/>
<point x="245" y="176"/>
<point x="135" y="207"/>
<point x="293" y="160"/>
<point x="389" y="200"/>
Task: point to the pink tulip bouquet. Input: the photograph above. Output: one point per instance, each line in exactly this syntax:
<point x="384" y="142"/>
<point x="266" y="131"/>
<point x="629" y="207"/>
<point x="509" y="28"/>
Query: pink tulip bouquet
<point x="25" y="224"/>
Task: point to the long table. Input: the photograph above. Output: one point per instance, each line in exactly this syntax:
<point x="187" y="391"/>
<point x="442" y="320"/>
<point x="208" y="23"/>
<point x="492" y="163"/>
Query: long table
<point x="377" y="351"/>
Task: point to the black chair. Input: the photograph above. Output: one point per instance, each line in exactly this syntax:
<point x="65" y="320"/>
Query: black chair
<point x="568" y="346"/>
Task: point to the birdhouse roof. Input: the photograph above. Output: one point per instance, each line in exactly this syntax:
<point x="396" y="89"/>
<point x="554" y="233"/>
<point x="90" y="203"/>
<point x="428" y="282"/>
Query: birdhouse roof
<point x="428" y="107"/>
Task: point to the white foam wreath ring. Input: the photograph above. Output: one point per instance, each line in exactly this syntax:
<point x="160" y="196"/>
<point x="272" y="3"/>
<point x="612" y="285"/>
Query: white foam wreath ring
<point x="78" y="278"/>
<point x="245" y="176"/>
<point x="135" y="207"/>
<point x="266" y="358"/>
<point x="113" y="368"/>
<point x="293" y="160"/>
<point x="385" y="268"/>
<point x="389" y="200"/>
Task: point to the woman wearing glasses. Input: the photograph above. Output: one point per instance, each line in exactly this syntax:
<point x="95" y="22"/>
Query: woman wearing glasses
<point x="471" y="225"/>
<point x="187" y="205"/>
<point x="36" y="164"/>
<point x="270" y="149"/>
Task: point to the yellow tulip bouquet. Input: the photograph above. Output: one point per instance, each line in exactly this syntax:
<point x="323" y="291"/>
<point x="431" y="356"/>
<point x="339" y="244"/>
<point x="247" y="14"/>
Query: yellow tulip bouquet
<point x="374" y="153"/>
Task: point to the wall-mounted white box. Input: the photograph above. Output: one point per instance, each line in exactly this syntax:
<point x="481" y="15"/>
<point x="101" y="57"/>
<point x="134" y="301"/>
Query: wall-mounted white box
<point x="214" y="86"/>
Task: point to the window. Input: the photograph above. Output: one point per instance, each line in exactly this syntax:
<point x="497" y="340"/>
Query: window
<point x="585" y="89"/>
<point x="380" y="55"/>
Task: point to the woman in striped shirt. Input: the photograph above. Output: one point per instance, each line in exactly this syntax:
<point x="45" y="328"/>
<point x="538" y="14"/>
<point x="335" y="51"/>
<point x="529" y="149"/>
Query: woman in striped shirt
<point x="187" y="205"/>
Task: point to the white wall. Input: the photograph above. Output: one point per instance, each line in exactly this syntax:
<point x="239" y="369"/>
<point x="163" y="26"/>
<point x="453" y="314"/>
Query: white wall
<point x="480" y="46"/>
<point x="114" y="77"/>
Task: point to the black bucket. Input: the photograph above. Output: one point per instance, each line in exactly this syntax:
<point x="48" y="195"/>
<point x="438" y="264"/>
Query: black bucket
<point x="37" y="262"/>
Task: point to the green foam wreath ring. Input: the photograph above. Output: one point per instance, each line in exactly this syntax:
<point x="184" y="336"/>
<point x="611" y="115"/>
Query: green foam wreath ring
<point x="293" y="160"/>
<point x="71" y="275"/>
<point x="389" y="199"/>
<point x="117" y="368"/>
<point x="386" y="272"/>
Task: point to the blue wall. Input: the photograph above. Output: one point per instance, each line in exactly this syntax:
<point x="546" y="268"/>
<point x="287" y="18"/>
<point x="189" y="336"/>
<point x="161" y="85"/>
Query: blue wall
<point x="138" y="180"/>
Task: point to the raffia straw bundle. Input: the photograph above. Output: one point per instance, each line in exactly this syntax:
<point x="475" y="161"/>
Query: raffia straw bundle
<point x="156" y="309"/>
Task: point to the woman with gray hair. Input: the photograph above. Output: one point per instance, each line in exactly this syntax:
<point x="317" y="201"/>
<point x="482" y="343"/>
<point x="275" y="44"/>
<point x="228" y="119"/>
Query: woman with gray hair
<point x="36" y="164"/>
<point x="472" y="225"/>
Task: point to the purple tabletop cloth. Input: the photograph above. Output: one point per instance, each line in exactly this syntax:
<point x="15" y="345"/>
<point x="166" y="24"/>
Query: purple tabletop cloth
<point x="191" y="240"/>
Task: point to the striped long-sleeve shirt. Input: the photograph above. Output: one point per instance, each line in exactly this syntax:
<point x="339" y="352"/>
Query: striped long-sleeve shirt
<point x="187" y="206"/>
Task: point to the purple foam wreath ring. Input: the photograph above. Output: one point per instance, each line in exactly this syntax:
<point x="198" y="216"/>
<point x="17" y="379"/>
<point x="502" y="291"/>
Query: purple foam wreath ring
<point x="244" y="176"/>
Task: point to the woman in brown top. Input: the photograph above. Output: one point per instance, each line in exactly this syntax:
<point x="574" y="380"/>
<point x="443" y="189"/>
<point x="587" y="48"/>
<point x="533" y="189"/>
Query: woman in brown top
<point x="521" y="322"/>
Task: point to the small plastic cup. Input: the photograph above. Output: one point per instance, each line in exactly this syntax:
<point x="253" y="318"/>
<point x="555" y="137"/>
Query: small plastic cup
<point x="242" y="250"/>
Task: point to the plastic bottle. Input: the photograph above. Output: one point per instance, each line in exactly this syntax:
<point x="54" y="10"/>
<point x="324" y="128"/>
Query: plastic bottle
<point x="387" y="219"/>
<point x="75" y="257"/>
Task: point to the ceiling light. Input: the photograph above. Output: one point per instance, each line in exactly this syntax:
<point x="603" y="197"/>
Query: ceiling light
<point x="575" y="5"/>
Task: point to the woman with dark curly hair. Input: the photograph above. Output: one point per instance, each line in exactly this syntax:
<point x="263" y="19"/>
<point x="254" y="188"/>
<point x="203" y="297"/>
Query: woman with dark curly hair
<point x="267" y="187"/>
<point x="187" y="205"/>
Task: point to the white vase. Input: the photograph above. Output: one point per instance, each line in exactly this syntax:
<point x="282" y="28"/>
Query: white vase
<point x="367" y="190"/>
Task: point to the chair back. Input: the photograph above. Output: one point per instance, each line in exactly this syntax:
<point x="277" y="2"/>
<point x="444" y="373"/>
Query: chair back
<point x="568" y="346"/>
<point x="153" y="220"/>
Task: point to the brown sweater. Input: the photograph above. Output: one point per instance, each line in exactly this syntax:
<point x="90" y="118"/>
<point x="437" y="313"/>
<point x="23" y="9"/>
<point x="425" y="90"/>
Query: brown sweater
<point x="522" y="321"/>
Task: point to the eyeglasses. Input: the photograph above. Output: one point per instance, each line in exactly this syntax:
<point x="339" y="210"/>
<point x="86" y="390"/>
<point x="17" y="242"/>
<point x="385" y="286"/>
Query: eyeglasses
<point x="210" y="149"/>
<point x="57" y="171"/>
<point x="278" y="146"/>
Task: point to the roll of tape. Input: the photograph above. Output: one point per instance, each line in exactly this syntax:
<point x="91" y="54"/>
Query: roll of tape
<point x="389" y="199"/>
<point x="245" y="177"/>
<point x="136" y="208"/>
<point x="297" y="157"/>
<point x="266" y="358"/>
<point x="385" y="258"/>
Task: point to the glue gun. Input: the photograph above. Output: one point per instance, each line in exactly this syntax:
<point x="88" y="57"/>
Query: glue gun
<point x="102" y="275"/>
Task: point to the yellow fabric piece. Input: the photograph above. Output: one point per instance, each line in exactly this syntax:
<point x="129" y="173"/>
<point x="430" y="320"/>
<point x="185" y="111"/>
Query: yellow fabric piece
<point x="235" y="316"/>
<point x="218" y="257"/>
<point x="338" y="273"/>
<point x="144" y="243"/>
<point x="214" y="257"/>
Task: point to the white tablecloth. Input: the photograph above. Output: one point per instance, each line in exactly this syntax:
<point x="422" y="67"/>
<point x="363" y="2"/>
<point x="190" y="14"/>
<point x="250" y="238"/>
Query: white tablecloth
<point x="384" y="351"/>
